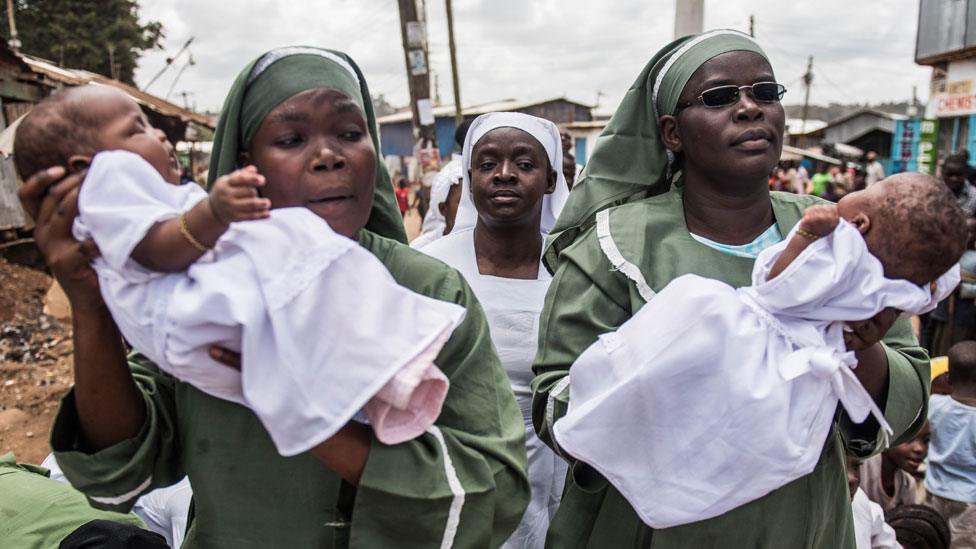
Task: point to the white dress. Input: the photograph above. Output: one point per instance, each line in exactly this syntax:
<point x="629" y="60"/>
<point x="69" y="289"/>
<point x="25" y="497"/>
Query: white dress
<point x="512" y="308"/>
<point x="870" y="529"/>
<point x="300" y="302"/>
<point x="711" y="397"/>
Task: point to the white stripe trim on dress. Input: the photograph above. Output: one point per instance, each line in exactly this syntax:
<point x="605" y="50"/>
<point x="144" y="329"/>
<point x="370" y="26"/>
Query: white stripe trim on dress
<point x="677" y="55"/>
<point x="457" y="503"/>
<point x="550" y="418"/>
<point x="124" y="498"/>
<point x="616" y="259"/>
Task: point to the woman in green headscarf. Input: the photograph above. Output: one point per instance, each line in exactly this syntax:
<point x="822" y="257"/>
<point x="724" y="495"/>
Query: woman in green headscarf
<point x="303" y="117"/>
<point x="677" y="185"/>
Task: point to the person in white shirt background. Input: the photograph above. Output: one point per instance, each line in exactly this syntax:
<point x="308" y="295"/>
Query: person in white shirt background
<point x="875" y="171"/>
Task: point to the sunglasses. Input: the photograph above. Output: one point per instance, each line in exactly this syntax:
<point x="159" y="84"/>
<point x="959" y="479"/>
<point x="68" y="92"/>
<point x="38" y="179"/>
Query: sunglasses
<point x="723" y="96"/>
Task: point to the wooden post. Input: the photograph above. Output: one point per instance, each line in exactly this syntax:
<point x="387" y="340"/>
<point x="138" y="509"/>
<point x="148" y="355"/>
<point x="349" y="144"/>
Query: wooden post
<point x="458" y="115"/>
<point x="14" y="42"/>
<point x="807" y="82"/>
<point x="418" y="73"/>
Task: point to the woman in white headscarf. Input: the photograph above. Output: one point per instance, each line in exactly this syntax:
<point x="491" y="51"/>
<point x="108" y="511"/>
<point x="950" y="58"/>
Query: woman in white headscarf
<point x="512" y="192"/>
<point x="444" y="195"/>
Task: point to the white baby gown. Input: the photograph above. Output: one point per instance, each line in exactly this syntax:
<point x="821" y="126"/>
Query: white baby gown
<point x="320" y="323"/>
<point x="710" y="397"/>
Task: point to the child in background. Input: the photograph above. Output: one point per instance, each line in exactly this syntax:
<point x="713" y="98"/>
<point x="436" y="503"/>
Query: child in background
<point x="951" y="475"/>
<point x="888" y="478"/>
<point x="181" y="271"/>
<point x="870" y="529"/>
<point x="402" y="196"/>
<point x="919" y="527"/>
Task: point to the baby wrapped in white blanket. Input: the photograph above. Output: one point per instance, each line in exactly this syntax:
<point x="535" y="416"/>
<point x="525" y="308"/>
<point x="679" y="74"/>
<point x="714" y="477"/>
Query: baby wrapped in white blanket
<point x="710" y="397"/>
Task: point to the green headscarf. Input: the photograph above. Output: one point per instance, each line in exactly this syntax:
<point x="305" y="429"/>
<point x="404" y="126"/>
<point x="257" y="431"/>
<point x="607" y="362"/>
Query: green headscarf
<point x="279" y="74"/>
<point x="629" y="161"/>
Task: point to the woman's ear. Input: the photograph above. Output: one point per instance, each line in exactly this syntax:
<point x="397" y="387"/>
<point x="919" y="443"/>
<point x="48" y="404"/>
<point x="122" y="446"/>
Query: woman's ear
<point x="78" y="162"/>
<point x="861" y="222"/>
<point x="668" y="125"/>
<point x="551" y="181"/>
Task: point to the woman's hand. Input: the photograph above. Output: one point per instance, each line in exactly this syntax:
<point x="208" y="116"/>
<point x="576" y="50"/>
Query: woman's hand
<point x="109" y="406"/>
<point x="226" y="357"/>
<point x="872" y="360"/>
<point x="865" y="333"/>
<point x="51" y="198"/>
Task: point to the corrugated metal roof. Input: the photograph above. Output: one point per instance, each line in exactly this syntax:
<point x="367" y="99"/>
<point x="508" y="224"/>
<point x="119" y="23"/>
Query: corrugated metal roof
<point x="78" y="77"/>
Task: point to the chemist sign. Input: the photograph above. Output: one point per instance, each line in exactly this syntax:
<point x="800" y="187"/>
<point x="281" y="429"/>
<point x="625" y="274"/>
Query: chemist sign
<point x="958" y="100"/>
<point x="953" y="91"/>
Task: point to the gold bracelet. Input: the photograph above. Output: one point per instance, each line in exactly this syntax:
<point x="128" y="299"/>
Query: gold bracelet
<point x="185" y="231"/>
<point x="806" y="234"/>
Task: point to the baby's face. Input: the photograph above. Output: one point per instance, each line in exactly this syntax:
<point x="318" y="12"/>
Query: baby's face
<point x="126" y="128"/>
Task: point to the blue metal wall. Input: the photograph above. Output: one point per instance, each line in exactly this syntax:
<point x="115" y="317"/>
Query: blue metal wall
<point x="396" y="139"/>
<point x="580" y="151"/>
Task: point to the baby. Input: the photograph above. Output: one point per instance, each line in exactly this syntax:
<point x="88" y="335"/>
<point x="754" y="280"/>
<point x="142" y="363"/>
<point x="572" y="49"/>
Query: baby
<point x="734" y="391"/>
<point x="182" y="270"/>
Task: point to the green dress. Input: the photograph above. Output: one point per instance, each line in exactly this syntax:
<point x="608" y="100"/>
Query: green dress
<point x="466" y="478"/>
<point x="36" y="511"/>
<point x="588" y="297"/>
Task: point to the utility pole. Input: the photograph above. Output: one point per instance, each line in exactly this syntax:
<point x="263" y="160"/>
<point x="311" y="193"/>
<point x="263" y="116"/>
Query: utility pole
<point x="14" y="42"/>
<point x="807" y="83"/>
<point x="437" y="88"/>
<point x="752" y="25"/>
<point x="189" y="63"/>
<point x="689" y="17"/>
<point x="458" y="115"/>
<point x="418" y="74"/>
<point x="112" y="71"/>
<point x="169" y="62"/>
<point x="913" y="107"/>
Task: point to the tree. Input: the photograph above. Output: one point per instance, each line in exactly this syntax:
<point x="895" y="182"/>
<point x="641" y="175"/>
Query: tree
<point x="103" y="36"/>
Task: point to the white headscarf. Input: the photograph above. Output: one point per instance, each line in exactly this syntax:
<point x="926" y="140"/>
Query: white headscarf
<point x="434" y="223"/>
<point x="545" y="132"/>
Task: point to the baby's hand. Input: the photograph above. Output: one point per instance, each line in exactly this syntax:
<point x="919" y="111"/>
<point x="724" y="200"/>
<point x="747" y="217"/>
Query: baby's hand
<point x="234" y="197"/>
<point x="820" y="220"/>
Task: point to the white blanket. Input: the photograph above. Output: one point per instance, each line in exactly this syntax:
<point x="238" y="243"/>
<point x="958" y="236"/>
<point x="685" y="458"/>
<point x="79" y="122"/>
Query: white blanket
<point x="711" y="397"/>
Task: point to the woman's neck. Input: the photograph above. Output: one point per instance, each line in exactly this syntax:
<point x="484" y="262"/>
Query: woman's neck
<point x="511" y="251"/>
<point x="727" y="218"/>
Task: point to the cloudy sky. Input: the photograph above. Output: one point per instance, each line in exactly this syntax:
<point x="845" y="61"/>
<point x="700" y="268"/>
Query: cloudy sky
<point x="532" y="49"/>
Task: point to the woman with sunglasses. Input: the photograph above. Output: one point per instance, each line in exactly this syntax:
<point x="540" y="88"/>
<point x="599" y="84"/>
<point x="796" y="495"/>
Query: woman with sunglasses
<point x="678" y="185"/>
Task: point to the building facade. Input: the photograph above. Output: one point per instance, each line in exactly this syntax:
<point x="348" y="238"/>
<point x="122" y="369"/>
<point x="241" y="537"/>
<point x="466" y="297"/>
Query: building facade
<point x="946" y="41"/>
